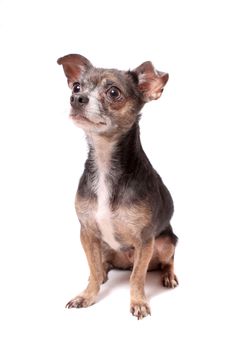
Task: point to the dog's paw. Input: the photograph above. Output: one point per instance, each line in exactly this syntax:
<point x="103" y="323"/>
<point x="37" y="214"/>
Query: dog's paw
<point x="140" y="309"/>
<point x="80" y="301"/>
<point x="170" y="280"/>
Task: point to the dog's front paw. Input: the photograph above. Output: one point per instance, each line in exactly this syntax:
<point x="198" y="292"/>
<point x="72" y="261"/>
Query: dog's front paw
<point x="80" y="301"/>
<point x="140" y="309"/>
<point x="170" y="280"/>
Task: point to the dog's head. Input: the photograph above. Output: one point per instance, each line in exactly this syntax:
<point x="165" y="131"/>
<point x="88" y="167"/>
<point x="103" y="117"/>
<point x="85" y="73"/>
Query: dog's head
<point x="109" y="100"/>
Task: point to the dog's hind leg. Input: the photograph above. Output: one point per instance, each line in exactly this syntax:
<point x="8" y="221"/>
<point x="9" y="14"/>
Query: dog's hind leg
<point x="163" y="257"/>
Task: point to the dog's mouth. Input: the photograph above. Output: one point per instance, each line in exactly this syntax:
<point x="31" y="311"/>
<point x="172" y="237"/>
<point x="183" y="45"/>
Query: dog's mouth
<point x="83" y="119"/>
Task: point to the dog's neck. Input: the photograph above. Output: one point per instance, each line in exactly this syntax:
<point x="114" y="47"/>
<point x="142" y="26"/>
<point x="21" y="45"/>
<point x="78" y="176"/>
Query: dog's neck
<point x="119" y="164"/>
<point x="118" y="154"/>
<point x="101" y="149"/>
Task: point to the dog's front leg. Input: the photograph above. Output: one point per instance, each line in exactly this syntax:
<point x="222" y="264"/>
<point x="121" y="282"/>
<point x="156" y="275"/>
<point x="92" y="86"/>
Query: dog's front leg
<point x="142" y="256"/>
<point x="92" y="248"/>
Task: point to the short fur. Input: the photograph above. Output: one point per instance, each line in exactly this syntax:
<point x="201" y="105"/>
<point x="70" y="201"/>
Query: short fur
<point x="122" y="204"/>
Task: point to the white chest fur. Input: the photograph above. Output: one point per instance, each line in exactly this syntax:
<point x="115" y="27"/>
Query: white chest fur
<point x="103" y="214"/>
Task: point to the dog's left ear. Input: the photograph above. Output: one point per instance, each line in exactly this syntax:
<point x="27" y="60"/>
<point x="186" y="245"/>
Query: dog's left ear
<point x="74" y="65"/>
<point x="150" y="81"/>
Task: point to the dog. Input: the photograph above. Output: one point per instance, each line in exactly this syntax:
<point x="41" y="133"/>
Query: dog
<point x="123" y="206"/>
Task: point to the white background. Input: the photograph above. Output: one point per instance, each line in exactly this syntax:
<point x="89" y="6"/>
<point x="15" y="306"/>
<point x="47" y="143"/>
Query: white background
<point x="187" y="135"/>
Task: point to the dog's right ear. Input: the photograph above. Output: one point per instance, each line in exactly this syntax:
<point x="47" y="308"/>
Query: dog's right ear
<point x="74" y="65"/>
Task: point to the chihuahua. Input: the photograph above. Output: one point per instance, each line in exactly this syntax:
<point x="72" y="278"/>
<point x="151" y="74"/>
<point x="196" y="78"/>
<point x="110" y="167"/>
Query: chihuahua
<point x="123" y="206"/>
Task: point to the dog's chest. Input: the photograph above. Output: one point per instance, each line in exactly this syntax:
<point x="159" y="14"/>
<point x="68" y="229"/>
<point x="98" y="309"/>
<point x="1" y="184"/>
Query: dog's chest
<point x="103" y="213"/>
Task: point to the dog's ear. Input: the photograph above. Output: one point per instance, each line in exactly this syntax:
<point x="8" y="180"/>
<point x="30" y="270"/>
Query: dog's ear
<point x="150" y="81"/>
<point x="74" y="65"/>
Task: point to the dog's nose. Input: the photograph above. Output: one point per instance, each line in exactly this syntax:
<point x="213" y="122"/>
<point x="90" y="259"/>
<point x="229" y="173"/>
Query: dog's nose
<point x="76" y="101"/>
<point x="83" y="99"/>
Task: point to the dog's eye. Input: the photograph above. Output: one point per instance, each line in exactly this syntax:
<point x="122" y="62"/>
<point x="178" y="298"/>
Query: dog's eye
<point x="76" y="87"/>
<point x="114" y="93"/>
